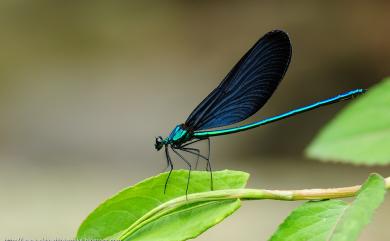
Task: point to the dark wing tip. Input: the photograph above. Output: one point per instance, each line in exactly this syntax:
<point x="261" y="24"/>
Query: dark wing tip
<point x="278" y="35"/>
<point x="277" y="32"/>
<point x="283" y="39"/>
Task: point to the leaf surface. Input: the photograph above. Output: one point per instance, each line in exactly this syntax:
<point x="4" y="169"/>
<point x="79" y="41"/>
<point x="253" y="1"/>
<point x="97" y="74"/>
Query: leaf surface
<point x="333" y="220"/>
<point x="114" y="217"/>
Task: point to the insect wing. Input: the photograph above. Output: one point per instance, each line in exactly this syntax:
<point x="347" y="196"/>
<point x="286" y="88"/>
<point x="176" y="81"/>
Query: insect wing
<point x="247" y="87"/>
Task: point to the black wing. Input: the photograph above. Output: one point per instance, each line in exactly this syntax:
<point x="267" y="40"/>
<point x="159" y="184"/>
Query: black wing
<point x="248" y="85"/>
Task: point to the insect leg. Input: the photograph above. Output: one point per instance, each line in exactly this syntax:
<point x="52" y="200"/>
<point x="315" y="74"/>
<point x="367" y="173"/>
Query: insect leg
<point x="169" y="163"/>
<point x="209" y="165"/>
<point x="197" y="153"/>
<point x="189" y="166"/>
<point x="192" y="142"/>
<point x="193" y="152"/>
<point x="197" y="157"/>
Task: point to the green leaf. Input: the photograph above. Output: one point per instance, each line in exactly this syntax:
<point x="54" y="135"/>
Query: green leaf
<point x="114" y="217"/>
<point x="333" y="220"/>
<point x="187" y="223"/>
<point x="360" y="134"/>
<point x="359" y="214"/>
<point x="311" y="221"/>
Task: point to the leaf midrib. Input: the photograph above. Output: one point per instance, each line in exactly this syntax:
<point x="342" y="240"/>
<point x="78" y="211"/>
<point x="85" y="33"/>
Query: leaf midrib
<point x="337" y="222"/>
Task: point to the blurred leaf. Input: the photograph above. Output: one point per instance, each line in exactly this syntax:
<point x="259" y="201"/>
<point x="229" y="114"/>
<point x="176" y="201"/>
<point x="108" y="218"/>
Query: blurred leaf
<point x="360" y="134"/>
<point x="118" y="213"/>
<point x="333" y="220"/>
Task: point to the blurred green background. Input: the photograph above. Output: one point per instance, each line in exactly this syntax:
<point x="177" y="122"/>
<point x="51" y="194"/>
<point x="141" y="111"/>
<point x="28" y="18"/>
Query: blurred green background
<point x="85" y="86"/>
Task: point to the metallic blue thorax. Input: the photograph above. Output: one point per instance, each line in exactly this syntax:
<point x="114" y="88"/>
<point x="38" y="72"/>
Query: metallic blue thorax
<point x="178" y="135"/>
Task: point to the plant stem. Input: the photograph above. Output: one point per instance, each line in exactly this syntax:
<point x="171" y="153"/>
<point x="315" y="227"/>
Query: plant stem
<point x="244" y="194"/>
